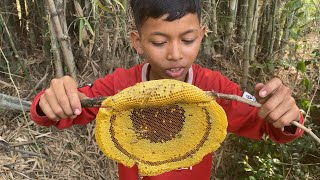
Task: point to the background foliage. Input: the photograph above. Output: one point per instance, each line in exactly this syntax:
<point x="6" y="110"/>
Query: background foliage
<point x="249" y="41"/>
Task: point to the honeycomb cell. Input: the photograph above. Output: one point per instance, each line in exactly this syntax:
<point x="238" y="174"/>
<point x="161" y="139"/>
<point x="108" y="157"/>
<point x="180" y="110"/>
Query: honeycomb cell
<point x="171" y="125"/>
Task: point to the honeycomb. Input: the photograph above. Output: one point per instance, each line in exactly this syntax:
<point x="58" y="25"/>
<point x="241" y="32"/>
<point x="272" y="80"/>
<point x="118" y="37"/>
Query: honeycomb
<point x="160" y="126"/>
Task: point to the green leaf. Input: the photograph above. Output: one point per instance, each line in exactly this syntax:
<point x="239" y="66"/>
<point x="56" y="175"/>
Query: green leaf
<point x="119" y="3"/>
<point x="307" y="84"/>
<point x="86" y="22"/>
<point x="81" y="31"/>
<point x="300" y="14"/>
<point x="248" y="169"/>
<point x="102" y="6"/>
<point x="304" y="104"/>
<point x="301" y="66"/>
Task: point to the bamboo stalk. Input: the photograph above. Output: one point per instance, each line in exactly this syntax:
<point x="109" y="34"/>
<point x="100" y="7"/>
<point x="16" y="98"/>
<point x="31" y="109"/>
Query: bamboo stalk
<point x="209" y="40"/>
<point x="15" y="51"/>
<point x="246" y="51"/>
<point x="253" y="41"/>
<point x="85" y="36"/>
<point x="243" y="20"/>
<point x="58" y="66"/>
<point x="286" y="32"/>
<point x="267" y="30"/>
<point x="63" y="39"/>
<point x="230" y="24"/>
<point x="262" y="23"/>
<point x="275" y="12"/>
<point x="13" y="103"/>
<point x="214" y="20"/>
<point x="61" y="9"/>
<point x="116" y="35"/>
<point x="278" y="29"/>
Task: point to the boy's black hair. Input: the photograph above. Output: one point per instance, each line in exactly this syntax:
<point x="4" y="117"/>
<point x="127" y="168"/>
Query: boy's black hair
<point x="176" y="9"/>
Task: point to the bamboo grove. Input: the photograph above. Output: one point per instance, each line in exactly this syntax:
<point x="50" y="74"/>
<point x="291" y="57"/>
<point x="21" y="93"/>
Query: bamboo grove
<point x="247" y="40"/>
<point x="243" y="32"/>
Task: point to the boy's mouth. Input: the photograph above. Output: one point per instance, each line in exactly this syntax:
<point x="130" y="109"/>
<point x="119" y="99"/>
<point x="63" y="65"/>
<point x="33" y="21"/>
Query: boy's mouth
<point x="174" y="72"/>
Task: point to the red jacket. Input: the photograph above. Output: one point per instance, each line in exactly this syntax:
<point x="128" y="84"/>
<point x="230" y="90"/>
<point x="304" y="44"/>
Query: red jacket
<point x="242" y="118"/>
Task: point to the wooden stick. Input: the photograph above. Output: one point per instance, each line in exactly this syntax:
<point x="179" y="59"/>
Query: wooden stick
<point x="96" y="102"/>
<point x="256" y="104"/>
<point x="8" y="147"/>
<point x="13" y="103"/>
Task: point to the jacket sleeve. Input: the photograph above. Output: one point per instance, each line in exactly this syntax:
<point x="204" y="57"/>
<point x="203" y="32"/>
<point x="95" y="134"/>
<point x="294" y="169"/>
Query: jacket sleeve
<point x="244" y="120"/>
<point x="101" y="87"/>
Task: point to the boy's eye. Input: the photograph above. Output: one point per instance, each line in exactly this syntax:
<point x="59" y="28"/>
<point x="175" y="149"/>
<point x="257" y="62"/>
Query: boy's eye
<point x="188" y="41"/>
<point x="158" y="43"/>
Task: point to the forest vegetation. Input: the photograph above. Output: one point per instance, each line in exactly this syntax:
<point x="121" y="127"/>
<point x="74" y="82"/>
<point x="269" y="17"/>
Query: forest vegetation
<point x="249" y="41"/>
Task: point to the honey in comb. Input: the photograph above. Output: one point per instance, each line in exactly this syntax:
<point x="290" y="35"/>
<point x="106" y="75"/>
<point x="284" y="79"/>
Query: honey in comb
<point x="160" y="125"/>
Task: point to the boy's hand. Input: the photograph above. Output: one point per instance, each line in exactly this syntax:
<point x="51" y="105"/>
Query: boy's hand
<point x="61" y="99"/>
<point x="278" y="106"/>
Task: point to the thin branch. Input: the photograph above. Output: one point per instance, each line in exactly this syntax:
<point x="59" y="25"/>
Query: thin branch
<point x="16" y="88"/>
<point x="315" y="93"/>
<point x="8" y="147"/>
<point x="233" y="97"/>
<point x="22" y="143"/>
<point x="255" y="104"/>
<point x="13" y="103"/>
<point x="38" y="84"/>
<point x="96" y="102"/>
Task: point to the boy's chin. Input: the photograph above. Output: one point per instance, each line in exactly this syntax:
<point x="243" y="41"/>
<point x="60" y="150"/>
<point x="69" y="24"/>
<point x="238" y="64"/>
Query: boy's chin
<point x="179" y="78"/>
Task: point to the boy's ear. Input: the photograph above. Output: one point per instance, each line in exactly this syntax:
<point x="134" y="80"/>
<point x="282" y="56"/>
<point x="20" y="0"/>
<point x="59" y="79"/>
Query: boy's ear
<point x="136" y="41"/>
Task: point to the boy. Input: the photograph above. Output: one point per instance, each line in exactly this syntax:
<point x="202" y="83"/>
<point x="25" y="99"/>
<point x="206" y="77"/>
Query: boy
<point x="169" y="37"/>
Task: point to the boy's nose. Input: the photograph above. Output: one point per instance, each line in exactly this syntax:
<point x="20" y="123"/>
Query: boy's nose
<point x="174" y="52"/>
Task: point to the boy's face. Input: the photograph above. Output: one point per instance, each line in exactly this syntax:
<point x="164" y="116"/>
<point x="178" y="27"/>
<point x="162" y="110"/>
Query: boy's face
<point x="169" y="47"/>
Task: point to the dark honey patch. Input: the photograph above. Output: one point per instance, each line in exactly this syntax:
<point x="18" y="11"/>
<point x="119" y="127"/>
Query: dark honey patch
<point x="173" y="159"/>
<point x="159" y="124"/>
